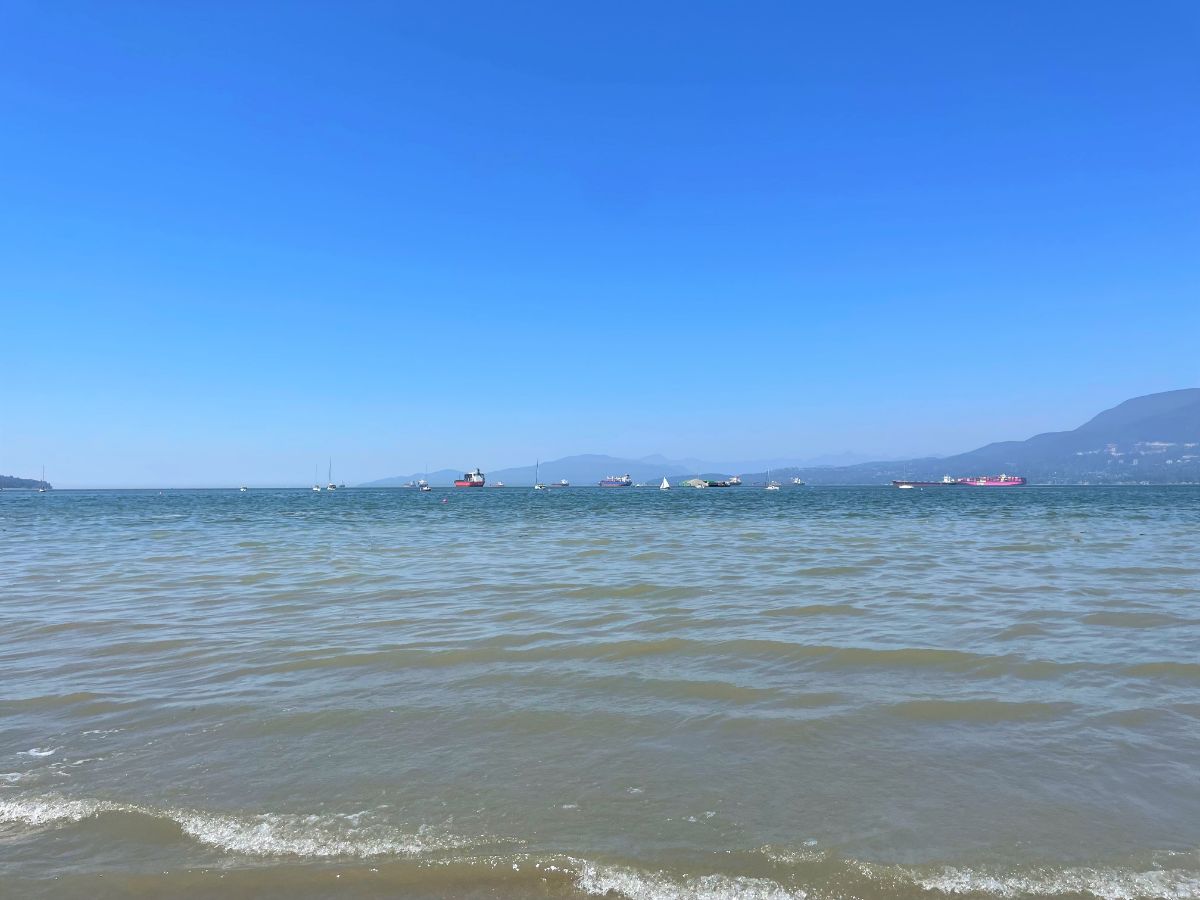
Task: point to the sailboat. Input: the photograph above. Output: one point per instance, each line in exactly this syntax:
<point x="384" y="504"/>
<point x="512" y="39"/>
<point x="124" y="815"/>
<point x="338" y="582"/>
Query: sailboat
<point x="771" y="485"/>
<point x="316" y="484"/>
<point x="42" y="486"/>
<point x="423" y="483"/>
<point x="332" y="486"/>
<point x="666" y="485"/>
<point x="537" y="484"/>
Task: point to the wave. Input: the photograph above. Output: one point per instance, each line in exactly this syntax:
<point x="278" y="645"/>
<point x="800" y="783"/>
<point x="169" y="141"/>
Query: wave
<point x="261" y="835"/>
<point x="436" y="862"/>
<point x="1107" y="884"/>
<point x="607" y="881"/>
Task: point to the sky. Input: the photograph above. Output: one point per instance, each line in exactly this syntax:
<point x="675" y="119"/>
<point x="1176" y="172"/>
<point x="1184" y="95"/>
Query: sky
<point x="239" y="239"/>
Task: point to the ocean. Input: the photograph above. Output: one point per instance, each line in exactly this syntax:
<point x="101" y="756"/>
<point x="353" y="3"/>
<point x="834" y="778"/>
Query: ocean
<point x="817" y="692"/>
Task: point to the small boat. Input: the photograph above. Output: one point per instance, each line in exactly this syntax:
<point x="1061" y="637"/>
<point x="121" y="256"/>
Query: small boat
<point x="42" y="484"/>
<point x="798" y="482"/>
<point x="563" y="483"/>
<point x="666" y="485"/>
<point x="537" y="483"/>
<point x="316" y="484"/>
<point x="243" y="489"/>
<point x="496" y="484"/>
<point x="771" y="485"/>
<point x="716" y="484"/>
<point x="425" y="488"/>
<point x="471" y="479"/>
<point x="331" y="486"/>
<point x="735" y="481"/>
<point x="616" y="481"/>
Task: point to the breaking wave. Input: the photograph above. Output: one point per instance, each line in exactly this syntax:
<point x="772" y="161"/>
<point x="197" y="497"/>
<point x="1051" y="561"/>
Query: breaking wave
<point x="767" y="874"/>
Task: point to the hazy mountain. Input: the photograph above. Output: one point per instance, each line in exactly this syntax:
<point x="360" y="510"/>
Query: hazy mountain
<point x="440" y="477"/>
<point x="13" y="482"/>
<point x="589" y="468"/>
<point x="584" y="469"/>
<point x="1155" y="438"/>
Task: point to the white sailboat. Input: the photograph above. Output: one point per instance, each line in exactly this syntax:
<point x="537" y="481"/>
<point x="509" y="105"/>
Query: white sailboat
<point x="332" y="486"/>
<point x="666" y="485"/>
<point x="771" y="485"/>
<point x="42" y="486"/>
<point x="537" y="484"/>
<point x="316" y="484"/>
<point x="423" y="483"/>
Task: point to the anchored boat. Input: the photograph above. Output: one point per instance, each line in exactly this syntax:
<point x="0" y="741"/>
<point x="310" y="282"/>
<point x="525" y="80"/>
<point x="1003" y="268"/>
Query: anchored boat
<point x="978" y="481"/>
<point x="616" y="481"/>
<point x="471" y="479"/>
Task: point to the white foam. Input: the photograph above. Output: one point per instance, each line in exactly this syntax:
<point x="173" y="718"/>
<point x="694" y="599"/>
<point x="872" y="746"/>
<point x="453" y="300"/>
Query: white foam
<point x="1107" y="884"/>
<point x="51" y="810"/>
<point x="279" y="835"/>
<point x="256" y="835"/>
<point x="40" y="751"/>
<point x="600" y="880"/>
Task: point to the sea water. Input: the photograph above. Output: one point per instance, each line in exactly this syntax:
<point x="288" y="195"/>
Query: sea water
<point x="815" y="692"/>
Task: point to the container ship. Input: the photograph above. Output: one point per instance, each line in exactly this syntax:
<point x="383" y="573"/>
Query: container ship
<point x="616" y="481"/>
<point x="471" y="479"/>
<point x="979" y="481"/>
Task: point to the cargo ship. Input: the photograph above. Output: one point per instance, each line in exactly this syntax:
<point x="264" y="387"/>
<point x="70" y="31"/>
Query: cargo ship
<point x="471" y="479"/>
<point x="979" y="481"/>
<point x="993" y="481"/>
<point x="616" y="481"/>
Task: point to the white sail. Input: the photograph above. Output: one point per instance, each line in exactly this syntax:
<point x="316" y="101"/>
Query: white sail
<point x="665" y="486"/>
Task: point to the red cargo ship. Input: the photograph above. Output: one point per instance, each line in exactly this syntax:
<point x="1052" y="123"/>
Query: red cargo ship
<point x="980" y="481"/>
<point x="471" y="479"/>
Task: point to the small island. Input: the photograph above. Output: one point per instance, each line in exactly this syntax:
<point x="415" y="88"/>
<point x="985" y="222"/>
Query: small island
<point x="12" y="482"/>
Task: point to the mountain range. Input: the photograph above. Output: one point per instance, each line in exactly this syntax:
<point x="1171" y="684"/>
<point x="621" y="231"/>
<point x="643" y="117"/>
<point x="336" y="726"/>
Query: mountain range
<point x="588" y="468"/>
<point x="1155" y="438"/>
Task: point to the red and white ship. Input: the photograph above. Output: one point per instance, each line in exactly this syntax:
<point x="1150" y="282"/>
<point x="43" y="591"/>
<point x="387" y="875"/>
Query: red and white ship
<point x="978" y="481"/>
<point x="471" y="479"/>
<point x="993" y="481"/>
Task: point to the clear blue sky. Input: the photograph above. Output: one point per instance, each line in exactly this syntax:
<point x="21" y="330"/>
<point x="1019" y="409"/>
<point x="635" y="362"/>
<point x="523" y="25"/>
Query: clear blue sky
<point x="239" y="238"/>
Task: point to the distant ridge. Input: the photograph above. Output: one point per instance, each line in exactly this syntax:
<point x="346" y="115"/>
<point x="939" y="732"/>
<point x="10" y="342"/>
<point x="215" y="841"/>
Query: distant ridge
<point x="1155" y="438"/>
<point x="589" y="468"/>
<point x="13" y="482"/>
